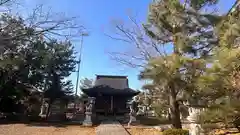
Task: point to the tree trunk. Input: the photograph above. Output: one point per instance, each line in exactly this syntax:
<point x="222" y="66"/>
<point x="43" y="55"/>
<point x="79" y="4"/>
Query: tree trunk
<point x="175" y="113"/>
<point x="174" y="110"/>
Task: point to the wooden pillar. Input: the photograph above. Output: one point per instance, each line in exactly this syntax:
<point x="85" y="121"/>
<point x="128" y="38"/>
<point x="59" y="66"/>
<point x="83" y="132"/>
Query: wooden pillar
<point x="112" y="103"/>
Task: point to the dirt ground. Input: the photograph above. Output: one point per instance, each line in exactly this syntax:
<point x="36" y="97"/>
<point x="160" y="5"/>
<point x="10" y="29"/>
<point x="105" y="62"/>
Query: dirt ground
<point x="23" y="129"/>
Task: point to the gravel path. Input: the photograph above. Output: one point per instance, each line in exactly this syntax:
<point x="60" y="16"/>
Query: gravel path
<point x="22" y="129"/>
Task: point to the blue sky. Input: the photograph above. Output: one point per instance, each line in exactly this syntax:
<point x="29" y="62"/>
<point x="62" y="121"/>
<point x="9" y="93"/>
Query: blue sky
<point x="96" y="16"/>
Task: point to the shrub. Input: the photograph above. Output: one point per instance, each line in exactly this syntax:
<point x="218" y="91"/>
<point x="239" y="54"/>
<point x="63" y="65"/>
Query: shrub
<point x="176" y="132"/>
<point x="207" y="127"/>
<point x="151" y="121"/>
<point x="226" y="112"/>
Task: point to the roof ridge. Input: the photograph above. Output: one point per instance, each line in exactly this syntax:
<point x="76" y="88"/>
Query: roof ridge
<point x="111" y="76"/>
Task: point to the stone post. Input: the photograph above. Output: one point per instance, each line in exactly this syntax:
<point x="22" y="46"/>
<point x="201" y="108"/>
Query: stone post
<point x="89" y="114"/>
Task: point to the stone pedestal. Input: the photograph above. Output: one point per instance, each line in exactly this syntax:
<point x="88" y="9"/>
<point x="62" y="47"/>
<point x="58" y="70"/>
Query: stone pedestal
<point x="88" y="119"/>
<point x="133" y="120"/>
<point x="195" y="129"/>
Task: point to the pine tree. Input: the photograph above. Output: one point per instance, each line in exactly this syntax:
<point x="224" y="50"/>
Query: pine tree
<point x="28" y="60"/>
<point x="220" y="83"/>
<point x="190" y="32"/>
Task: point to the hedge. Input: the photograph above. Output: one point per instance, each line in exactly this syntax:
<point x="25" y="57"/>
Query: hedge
<point x="176" y="132"/>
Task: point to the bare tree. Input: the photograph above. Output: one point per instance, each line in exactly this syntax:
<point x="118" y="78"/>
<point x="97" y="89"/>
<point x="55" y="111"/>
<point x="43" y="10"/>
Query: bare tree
<point x="56" y="24"/>
<point x="47" y="24"/>
<point x="86" y="83"/>
<point x="142" y="46"/>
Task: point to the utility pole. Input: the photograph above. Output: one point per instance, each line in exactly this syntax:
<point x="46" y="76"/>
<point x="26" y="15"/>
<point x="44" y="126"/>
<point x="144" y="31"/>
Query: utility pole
<point x="79" y="64"/>
<point x="234" y="7"/>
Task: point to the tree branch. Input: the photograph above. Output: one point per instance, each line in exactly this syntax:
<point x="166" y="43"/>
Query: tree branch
<point x="3" y="2"/>
<point x="144" y="45"/>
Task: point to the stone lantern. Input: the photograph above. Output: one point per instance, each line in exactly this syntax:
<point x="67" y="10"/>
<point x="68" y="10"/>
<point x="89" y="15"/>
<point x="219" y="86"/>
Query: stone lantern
<point x="89" y="114"/>
<point x="194" y="110"/>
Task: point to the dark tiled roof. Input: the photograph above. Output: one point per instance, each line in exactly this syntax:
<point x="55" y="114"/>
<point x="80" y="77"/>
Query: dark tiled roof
<point x="106" y="90"/>
<point x="117" y="82"/>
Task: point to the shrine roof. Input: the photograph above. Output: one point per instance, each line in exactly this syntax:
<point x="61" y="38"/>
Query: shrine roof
<point x="116" y="82"/>
<point x="107" y="90"/>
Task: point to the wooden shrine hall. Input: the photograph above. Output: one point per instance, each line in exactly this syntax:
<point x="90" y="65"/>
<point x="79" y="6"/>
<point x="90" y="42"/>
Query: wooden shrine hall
<point x="112" y="94"/>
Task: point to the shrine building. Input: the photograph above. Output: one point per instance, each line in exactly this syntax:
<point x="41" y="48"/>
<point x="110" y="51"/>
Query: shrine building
<point x="112" y="94"/>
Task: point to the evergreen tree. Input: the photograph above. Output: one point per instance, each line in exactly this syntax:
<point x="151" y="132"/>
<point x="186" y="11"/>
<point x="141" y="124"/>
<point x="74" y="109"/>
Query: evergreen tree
<point x="190" y="32"/>
<point x="26" y="59"/>
<point x="61" y="62"/>
<point x="220" y="83"/>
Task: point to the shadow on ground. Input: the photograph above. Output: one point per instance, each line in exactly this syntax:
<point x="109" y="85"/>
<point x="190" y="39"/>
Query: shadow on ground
<point x="230" y="133"/>
<point x="147" y="121"/>
<point x="40" y="122"/>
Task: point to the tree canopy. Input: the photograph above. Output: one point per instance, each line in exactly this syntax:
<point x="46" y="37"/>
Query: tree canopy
<point x="31" y="62"/>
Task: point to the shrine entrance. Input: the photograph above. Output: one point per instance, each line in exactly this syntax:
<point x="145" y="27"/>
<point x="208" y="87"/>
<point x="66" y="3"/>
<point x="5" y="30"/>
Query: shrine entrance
<point x="110" y="105"/>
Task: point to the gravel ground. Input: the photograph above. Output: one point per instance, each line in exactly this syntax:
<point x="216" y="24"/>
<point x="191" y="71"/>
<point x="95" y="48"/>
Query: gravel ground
<point x="22" y="129"/>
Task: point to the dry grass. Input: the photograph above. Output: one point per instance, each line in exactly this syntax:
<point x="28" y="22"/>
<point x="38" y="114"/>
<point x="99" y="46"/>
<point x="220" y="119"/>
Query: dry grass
<point x="143" y="131"/>
<point x="23" y="129"/>
<point x="231" y="131"/>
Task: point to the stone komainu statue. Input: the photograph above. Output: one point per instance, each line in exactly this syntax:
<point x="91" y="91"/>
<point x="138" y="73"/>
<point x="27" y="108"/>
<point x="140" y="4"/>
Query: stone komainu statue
<point x="89" y="107"/>
<point x="134" y="108"/>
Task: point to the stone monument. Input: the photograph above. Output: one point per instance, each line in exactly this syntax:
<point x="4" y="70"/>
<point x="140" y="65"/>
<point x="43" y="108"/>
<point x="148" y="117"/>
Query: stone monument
<point x="89" y="114"/>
